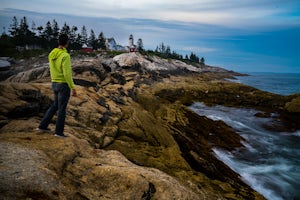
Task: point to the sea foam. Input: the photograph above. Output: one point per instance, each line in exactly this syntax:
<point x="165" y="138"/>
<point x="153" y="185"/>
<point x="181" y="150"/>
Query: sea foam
<point x="268" y="161"/>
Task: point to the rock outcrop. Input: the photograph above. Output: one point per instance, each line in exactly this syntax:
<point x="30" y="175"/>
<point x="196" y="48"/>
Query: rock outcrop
<point x="155" y="63"/>
<point x="40" y="166"/>
<point x="131" y="134"/>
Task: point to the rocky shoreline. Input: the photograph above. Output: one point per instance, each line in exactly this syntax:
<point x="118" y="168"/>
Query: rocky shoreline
<point x="131" y="133"/>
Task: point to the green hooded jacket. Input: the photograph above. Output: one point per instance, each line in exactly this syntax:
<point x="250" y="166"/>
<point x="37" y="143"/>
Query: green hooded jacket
<point x="60" y="67"/>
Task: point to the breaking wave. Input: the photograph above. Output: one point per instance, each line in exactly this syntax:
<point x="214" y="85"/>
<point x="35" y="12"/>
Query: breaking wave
<point x="269" y="161"/>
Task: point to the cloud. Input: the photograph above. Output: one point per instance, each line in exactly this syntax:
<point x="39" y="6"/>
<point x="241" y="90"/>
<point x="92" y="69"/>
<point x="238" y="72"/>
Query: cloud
<point x="234" y="33"/>
<point x="234" y="13"/>
<point x="198" y="49"/>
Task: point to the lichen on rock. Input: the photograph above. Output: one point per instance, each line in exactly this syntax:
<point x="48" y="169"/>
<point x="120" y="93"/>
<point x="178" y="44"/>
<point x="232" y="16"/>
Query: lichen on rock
<point x="131" y="133"/>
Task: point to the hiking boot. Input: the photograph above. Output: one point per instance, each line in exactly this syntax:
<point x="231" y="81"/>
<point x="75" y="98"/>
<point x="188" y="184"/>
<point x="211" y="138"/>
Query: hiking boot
<point x="43" y="130"/>
<point x="61" y="135"/>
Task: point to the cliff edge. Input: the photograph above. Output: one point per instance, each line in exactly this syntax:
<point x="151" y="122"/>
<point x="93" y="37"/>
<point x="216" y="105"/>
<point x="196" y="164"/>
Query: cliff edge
<point x="131" y="135"/>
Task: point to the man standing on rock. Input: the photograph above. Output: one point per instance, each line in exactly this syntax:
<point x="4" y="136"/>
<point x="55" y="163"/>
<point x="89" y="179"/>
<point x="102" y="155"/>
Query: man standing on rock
<point x="62" y="85"/>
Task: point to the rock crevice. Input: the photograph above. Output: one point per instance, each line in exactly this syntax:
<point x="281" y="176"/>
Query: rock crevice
<point x="131" y="133"/>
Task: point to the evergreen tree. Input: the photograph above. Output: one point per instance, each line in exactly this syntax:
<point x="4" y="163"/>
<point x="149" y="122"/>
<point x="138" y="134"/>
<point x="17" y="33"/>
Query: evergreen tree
<point x="48" y="40"/>
<point x="194" y="58"/>
<point x="162" y="48"/>
<point x="24" y="35"/>
<point x="6" y="45"/>
<point x="14" y="27"/>
<point x="78" y="44"/>
<point x="55" y="29"/>
<point x="168" y="51"/>
<point x="202" y="61"/>
<point x="101" y="41"/>
<point x="175" y="55"/>
<point x="40" y="39"/>
<point x="48" y="32"/>
<point x="65" y="29"/>
<point x="24" y="28"/>
<point x="72" y="37"/>
<point x="33" y="28"/>
<point x="34" y="37"/>
<point x="73" y="33"/>
<point x="84" y="36"/>
<point x="92" y="39"/>
<point x="40" y="31"/>
<point x="140" y="45"/>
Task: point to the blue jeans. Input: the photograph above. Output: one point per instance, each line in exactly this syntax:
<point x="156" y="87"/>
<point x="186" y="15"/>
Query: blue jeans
<point x="61" y="99"/>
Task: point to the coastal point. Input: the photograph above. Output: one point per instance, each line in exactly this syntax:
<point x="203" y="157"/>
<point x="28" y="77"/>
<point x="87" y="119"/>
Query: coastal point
<point x="131" y="132"/>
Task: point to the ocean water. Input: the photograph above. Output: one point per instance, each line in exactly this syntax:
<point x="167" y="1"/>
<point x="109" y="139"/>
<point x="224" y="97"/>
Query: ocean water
<point x="269" y="161"/>
<point x="278" y="83"/>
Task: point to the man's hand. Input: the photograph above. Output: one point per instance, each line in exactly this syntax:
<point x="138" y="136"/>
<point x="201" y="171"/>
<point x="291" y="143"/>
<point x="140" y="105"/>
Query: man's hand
<point x="74" y="93"/>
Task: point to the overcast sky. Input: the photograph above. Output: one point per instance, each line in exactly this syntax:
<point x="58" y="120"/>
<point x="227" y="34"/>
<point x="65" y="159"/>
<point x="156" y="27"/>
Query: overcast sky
<point x="242" y="35"/>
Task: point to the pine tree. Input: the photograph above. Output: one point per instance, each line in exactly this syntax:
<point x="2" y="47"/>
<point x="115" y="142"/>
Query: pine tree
<point x="55" y="29"/>
<point x="24" y="36"/>
<point x="162" y="48"/>
<point x="14" y="27"/>
<point x="202" y="61"/>
<point x="40" y="37"/>
<point x="168" y="51"/>
<point x="101" y="41"/>
<point x="77" y="43"/>
<point x="92" y="39"/>
<point x="194" y="58"/>
<point x="33" y="28"/>
<point x="175" y="55"/>
<point x="140" y="45"/>
<point x="73" y="33"/>
<point x="48" y="32"/>
<point x="6" y="45"/>
<point x="72" y="37"/>
<point x="40" y="31"/>
<point x="84" y="36"/>
<point x="24" y="28"/>
<point x="65" y="29"/>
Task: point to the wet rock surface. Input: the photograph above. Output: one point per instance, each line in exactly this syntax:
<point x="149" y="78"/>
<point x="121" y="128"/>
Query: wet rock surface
<point x="131" y="135"/>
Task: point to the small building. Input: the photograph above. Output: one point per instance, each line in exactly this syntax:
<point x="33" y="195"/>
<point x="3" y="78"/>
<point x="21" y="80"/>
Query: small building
<point x="86" y="48"/>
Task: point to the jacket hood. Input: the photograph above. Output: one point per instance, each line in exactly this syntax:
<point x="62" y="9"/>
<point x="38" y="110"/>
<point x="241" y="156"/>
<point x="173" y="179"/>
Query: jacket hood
<point x="55" y="53"/>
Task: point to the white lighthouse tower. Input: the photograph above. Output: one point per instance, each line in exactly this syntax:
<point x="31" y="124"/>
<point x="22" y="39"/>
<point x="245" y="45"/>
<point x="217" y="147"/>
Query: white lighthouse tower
<point x="131" y="44"/>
